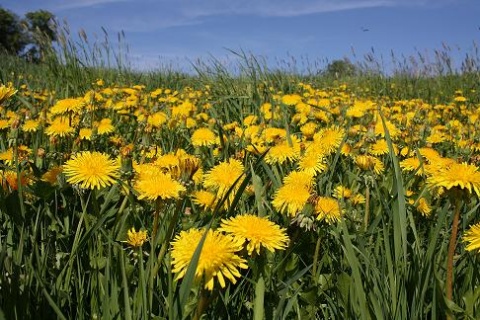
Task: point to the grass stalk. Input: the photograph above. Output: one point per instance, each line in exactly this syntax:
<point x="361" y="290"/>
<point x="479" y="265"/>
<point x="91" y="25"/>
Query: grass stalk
<point x="315" y="258"/>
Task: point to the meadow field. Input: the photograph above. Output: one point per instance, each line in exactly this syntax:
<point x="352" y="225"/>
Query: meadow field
<point x="256" y="194"/>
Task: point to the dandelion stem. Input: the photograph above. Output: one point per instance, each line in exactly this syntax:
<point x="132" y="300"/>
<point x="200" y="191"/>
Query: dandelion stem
<point x="156" y="219"/>
<point x="366" y="218"/>
<point x="259" y="307"/>
<point x="315" y="258"/>
<point x="451" y="251"/>
<point x="96" y="206"/>
<point x="142" y="283"/>
<point x="202" y="304"/>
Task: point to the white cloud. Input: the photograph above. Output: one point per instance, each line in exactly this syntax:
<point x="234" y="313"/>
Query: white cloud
<point x="279" y="8"/>
<point x="76" y="4"/>
<point x="160" y="14"/>
<point x="153" y="15"/>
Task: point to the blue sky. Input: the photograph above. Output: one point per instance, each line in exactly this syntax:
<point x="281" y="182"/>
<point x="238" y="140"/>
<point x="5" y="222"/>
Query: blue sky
<point x="179" y="31"/>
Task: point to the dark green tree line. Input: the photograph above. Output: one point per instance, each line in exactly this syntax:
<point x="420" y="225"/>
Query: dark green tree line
<point x="28" y="37"/>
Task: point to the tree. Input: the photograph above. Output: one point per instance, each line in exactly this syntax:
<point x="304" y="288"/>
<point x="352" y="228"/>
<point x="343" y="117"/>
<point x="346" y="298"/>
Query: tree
<point x="42" y="30"/>
<point x="341" y="68"/>
<point x="42" y="22"/>
<point x="31" y="37"/>
<point x="12" y="37"/>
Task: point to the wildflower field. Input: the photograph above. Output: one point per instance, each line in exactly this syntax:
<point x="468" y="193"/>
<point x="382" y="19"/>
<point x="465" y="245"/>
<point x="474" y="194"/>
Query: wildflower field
<point x="260" y="195"/>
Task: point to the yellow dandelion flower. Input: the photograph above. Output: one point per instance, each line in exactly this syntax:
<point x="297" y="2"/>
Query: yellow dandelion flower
<point x="168" y="161"/>
<point x="159" y="185"/>
<point x="366" y="162"/>
<point x="283" y="152"/>
<point x="230" y="126"/>
<point x="250" y="120"/>
<point x="51" y="176"/>
<point x="30" y="125"/>
<point x="256" y="231"/>
<point x="151" y="152"/>
<point x="218" y="258"/>
<point x="436" y="137"/>
<point x="355" y="112"/>
<point x="197" y="177"/>
<point x="204" y="117"/>
<point x="183" y="111"/>
<point x="223" y="176"/>
<point x="472" y="236"/>
<point x="380" y="147"/>
<point x="92" y="96"/>
<point x="257" y="147"/>
<point x="188" y="166"/>
<point x="10" y="179"/>
<point x="145" y="170"/>
<point x="439" y="164"/>
<point x="356" y="130"/>
<point x="410" y="164"/>
<point x="392" y="129"/>
<point x="136" y="238"/>
<point x="329" y="139"/>
<point x="157" y="119"/>
<point x="116" y="140"/>
<point x="341" y="192"/>
<point x="308" y="129"/>
<point x="272" y="134"/>
<point x="303" y="109"/>
<point x="105" y="126"/>
<point x="328" y="209"/>
<point x="71" y="105"/>
<point x="357" y="199"/>
<point x="266" y="110"/>
<point x="302" y="179"/>
<point x="59" y="127"/>
<point x="85" y="134"/>
<point x="204" y="198"/>
<point x="290" y="199"/>
<point x="6" y="92"/>
<point x="313" y="161"/>
<point x="203" y="137"/>
<point x="7" y="156"/>
<point x="405" y="151"/>
<point x="300" y="118"/>
<point x="91" y="170"/>
<point x="423" y="207"/>
<point x="4" y="124"/>
<point x="457" y="175"/>
<point x="360" y="108"/>
<point x="191" y="123"/>
<point x="346" y="149"/>
<point x="23" y="152"/>
<point x="291" y="99"/>
<point x="321" y="115"/>
<point x="430" y="154"/>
